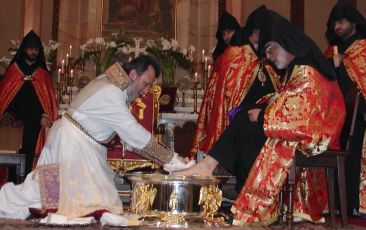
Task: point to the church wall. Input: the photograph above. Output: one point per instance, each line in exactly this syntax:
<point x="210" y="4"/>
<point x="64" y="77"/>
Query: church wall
<point x="196" y="21"/>
<point x="46" y="20"/>
<point x="315" y="24"/>
<point x="282" y="7"/>
<point x="11" y="25"/>
<point x="196" y="24"/>
<point x="361" y="6"/>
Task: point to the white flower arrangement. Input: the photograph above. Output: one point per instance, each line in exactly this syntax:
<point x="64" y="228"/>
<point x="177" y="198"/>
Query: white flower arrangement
<point x="102" y="52"/>
<point x="170" y="54"/>
<point x="50" y="51"/>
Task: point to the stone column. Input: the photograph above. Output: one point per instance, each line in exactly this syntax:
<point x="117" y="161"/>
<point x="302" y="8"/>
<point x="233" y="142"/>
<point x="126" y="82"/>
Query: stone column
<point x="32" y="16"/>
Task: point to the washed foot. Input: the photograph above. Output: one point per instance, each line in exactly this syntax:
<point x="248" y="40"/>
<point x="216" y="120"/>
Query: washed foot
<point x="203" y="168"/>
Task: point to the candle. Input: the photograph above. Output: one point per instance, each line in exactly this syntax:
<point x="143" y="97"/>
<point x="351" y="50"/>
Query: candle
<point x="206" y="63"/>
<point x="190" y="53"/>
<point x="67" y="59"/>
<point x="62" y="66"/>
<point x="209" y="70"/>
<point x="195" y="79"/>
<point x="70" y="49"/>
<point x="203" y="55"/>
<point x="335" y="50"/>
<point x="59" y="75"/>
<point x="72" y="73"/>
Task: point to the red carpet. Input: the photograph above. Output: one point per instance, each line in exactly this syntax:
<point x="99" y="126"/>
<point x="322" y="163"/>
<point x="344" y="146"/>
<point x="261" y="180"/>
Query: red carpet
<point x="355" y="221"/>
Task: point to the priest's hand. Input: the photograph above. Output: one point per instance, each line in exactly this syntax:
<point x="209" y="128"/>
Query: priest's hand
<point x="253" y="114"/>
<point x="46" y="122"/>
<point x="337" y="60"/>
<point x="178" y="163"/>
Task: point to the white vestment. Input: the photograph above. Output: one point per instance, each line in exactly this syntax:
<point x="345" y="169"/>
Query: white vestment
<point x="85" y="178"/>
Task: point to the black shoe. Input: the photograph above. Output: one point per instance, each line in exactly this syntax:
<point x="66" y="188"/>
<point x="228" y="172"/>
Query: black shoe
<point x="230" y="219"/>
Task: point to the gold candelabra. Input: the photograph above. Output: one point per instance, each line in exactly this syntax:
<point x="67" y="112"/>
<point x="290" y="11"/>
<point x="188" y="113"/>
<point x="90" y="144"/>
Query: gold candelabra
<point x="196" y="83"/>
<point x="65" y="79"/>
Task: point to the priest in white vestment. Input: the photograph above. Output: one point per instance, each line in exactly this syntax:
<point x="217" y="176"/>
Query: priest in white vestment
<point x="72" y="175"/>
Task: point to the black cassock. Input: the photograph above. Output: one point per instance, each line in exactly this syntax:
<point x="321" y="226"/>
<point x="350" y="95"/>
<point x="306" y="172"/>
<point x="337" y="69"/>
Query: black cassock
<point x="239" y="144"/>
<point x="26" y="107"/>
<point x="353" y="162"/>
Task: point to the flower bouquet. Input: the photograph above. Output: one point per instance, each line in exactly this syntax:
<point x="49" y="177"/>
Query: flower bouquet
<point x="170" y="55"/>
<point x="103" y="52"/>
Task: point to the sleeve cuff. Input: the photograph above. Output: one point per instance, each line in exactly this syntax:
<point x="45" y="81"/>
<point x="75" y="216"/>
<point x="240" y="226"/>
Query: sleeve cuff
<point x="157" y="152"/>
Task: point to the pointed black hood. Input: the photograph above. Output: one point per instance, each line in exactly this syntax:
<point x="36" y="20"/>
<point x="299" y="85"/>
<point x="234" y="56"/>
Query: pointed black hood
<point x="30" y="40"/>
<point x="344" y="9"/>
<point x="255" y="21"/>
<point x="226" y="22"/>
<point x="294" y="41"/>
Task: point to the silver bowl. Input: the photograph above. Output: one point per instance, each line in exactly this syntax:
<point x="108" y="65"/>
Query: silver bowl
<point x="180" y="195"/>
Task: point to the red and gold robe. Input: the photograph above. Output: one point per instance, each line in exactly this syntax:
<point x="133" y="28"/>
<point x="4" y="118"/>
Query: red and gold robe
<point x="307" y="115"/>
<point x="42" y="83"/>
<point x="233" y="74"/>
<point x="354" y="60"/>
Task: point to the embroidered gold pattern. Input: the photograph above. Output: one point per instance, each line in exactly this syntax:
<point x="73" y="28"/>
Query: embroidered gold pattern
<point x="122" y="166"/>
<point x="118" y="76"/>
<point x="68" y="117"/>
<point x="156" y="151"/>
<point x="49" y="185"/>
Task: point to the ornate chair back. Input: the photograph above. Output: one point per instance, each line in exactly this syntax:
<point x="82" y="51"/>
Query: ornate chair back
<point x="145" y="110"/>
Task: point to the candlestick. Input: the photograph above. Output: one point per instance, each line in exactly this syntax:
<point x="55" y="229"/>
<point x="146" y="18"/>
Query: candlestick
<point x="70" y="50"/>
<point x="206" y="62"/>
<point x="195" y="94"/>
<point x="203" y="56"/>
<point x="67" y="60"/>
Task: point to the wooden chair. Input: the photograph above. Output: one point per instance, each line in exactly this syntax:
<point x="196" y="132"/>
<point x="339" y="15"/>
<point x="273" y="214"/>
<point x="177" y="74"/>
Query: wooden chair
<point x="11" y="135"/>
<point x="330" y="160"/>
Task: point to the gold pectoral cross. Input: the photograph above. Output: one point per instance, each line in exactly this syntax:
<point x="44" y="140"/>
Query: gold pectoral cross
<point x="28" y="78"/>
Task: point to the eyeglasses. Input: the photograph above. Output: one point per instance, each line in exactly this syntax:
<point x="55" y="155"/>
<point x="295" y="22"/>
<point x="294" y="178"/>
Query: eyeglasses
<point x="268" y="49"/>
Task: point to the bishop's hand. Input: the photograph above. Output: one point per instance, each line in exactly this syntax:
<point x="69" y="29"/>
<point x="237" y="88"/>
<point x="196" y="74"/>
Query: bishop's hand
<point x="46" y="122"/>
<point x="337" y="60"/>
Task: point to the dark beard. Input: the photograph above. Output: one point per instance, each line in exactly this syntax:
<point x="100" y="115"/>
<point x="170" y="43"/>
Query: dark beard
<point x="31" y="59"/>
<point x="346" y="34"/>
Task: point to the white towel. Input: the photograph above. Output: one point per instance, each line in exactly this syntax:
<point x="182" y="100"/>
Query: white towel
<point x="56" y="219"/>
<point x="117" y="220"/>
<point x="176" y="164"/>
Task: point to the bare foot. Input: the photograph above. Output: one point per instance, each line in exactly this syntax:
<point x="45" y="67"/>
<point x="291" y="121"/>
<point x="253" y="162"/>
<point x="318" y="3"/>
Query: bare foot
<point x="203" y="168"/>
